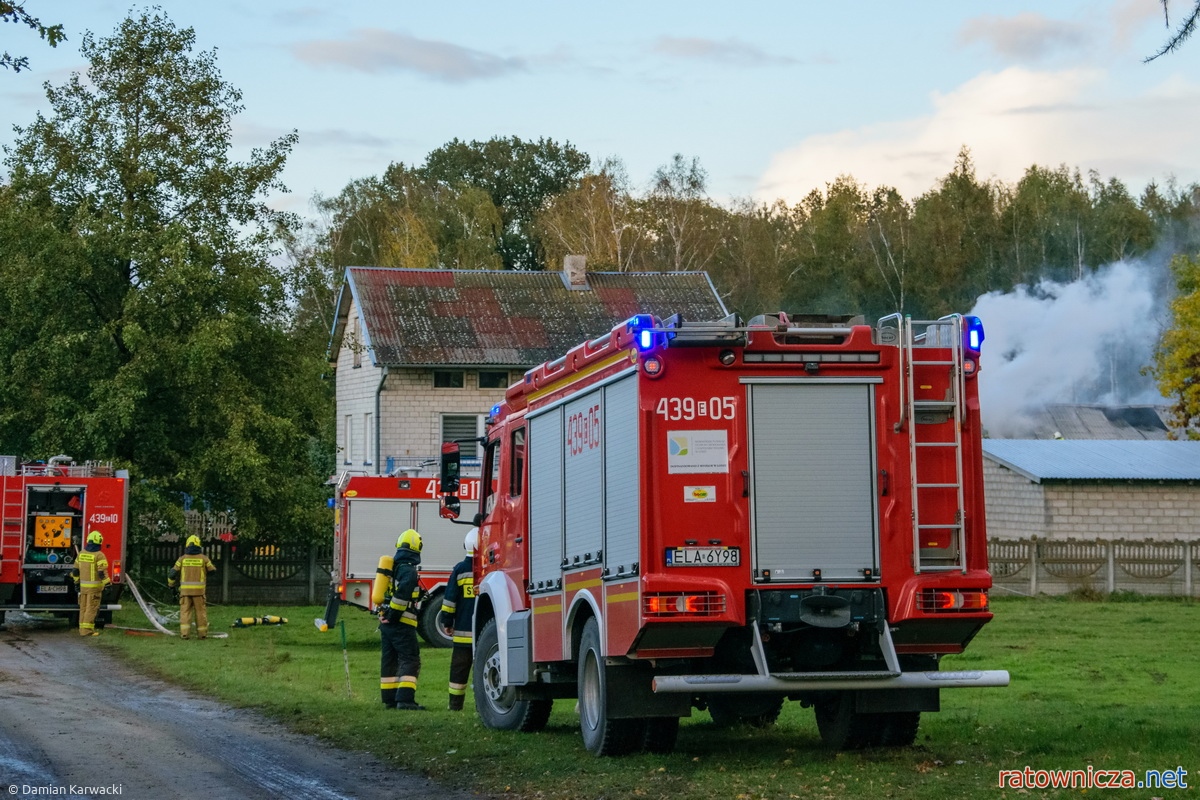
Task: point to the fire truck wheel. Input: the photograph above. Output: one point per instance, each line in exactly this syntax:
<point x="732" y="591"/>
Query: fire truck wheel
<point x="899" y="729"/>
<point x="728" y="710"/>
<point x="842" y="728"/>
<point x="428" y="626"/>
<point x="498" y="705"/>
<point x="601" y="736"/>
<point x="661" y="733"/>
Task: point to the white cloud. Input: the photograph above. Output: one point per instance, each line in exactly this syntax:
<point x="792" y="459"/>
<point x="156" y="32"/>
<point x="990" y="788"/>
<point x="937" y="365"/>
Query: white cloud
<point x="376" y="51"/>
<point x="1027" y="36"/>
<point x="1010" y="120"/>
<point x="726" y="51"/>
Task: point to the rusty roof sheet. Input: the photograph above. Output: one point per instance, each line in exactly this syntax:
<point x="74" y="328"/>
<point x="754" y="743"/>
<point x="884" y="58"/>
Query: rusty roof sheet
<point x="504" y="318"/>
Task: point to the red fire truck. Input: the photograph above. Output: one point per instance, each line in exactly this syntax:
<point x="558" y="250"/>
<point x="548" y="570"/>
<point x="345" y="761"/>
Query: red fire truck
<point x="47" y="510"/>
<point x="371" y="511"/>
<point x="721" y="516"/>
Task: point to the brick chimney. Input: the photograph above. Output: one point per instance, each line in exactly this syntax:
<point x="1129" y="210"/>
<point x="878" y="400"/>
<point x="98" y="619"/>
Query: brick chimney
<point x="574" y="273"/>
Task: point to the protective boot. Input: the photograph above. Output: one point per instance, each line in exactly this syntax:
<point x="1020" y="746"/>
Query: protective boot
<point x="406" y="700"/>
<point x="456" y="701"/>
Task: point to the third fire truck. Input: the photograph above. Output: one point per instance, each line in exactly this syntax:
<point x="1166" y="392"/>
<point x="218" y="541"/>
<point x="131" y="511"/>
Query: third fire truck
<point x="370" y="512"/>
<point x="714" y="515"/>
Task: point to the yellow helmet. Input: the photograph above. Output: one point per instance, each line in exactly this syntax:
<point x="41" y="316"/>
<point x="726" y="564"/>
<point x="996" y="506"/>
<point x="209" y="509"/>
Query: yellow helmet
<point x="193" y="540"/>
<point x="409" y="540"/>
<point x="95" y="537"/>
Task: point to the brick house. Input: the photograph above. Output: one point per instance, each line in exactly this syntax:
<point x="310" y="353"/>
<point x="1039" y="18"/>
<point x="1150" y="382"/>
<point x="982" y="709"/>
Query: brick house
<point x="1092" y="489"/>
<point x="420" y="356"/>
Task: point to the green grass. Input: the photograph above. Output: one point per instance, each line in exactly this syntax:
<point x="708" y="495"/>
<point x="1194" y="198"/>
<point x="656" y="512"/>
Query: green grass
<point x="1114" y="685"/>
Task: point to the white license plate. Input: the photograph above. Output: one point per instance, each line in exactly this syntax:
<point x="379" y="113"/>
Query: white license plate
<point x="52" y="589"/>
<point x="703" y="557"/>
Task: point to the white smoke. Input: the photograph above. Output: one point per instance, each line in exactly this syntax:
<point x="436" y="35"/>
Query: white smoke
<point x="1081" y="342"/>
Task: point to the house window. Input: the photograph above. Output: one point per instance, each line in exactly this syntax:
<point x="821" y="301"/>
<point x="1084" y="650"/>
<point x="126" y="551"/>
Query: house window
<point x="368" y="438"/>
<point x="448" y="379"/>
<point x="462" y="426"/>
<point x="348" y="440"/>
<point x="493" y="379"/>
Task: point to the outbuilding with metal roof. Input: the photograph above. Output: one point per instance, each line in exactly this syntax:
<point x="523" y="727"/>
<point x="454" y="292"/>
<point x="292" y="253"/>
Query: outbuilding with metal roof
<point x="1092" y="489"/>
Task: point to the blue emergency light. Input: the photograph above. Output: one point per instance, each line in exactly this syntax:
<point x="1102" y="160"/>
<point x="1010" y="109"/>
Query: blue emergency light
<point x="643" y="327"/>
<point x="973" y="337"/>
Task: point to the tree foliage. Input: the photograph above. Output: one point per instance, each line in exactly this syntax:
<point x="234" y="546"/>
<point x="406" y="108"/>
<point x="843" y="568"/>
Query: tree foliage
<point x="145" y="322"/>
<point x="1177" y="361"/>
<point x="519" y="177"/>
<point x="1183" y="30"/>
<point x="16" y="14"/>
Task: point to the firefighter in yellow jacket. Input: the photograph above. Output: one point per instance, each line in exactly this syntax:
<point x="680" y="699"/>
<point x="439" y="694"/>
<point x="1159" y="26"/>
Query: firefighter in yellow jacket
<point x="90" y="576"/>
<point x="190" y="573"/>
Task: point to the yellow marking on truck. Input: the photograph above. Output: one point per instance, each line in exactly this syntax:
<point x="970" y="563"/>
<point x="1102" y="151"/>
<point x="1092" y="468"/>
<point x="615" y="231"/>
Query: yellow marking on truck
<point x="623" y="597"/>
<point x="549" y="608"/>
<point x="563" y="382"/>
<point x="586" y="584"/>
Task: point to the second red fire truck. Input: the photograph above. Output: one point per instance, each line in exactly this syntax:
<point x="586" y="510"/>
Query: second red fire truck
<point x="723" y="516"/>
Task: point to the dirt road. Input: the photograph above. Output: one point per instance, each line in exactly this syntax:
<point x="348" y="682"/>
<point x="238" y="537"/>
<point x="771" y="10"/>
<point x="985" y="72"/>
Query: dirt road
<point x="73" y="717"/>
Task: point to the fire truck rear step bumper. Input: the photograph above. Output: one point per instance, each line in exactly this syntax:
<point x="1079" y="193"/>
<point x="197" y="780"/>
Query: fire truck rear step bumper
<point x="809" y="681"/>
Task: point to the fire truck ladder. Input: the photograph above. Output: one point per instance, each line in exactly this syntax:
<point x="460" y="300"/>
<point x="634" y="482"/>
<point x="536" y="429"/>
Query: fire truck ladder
<point x="935" y="437"/>
<point x="12" y="522"/>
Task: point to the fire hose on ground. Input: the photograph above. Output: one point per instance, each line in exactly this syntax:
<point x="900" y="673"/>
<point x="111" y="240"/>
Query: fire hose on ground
<point x="152" y="615"/>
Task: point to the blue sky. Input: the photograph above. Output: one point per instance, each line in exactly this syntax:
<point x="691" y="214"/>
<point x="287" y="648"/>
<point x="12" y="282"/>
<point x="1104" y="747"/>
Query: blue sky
<point x="774" y="98"/>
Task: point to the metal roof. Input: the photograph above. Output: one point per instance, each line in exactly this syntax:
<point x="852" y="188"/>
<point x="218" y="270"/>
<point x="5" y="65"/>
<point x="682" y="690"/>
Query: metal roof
<point x="503" y="318"/>
<point x="1089" y="421"/>
<point x="1097" y="460"/>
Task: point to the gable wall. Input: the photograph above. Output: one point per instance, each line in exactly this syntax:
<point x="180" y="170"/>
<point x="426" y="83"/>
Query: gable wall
<point x="1015" y="505"/>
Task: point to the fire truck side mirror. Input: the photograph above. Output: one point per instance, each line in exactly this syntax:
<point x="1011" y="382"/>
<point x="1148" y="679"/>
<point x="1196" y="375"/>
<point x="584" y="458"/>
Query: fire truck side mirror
<point x="451" y="507"/>
<point x="450" y="469"/>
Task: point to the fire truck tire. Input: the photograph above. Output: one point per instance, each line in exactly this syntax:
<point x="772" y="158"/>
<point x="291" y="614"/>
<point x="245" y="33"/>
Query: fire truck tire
<point x="427" y="624"/>
<point x="842" y="728"/>
<point x="898" y="729"/>
<point x="757" y="711"/>
<point x="498" y="705"/>
<point x="602" y="736"/>
<point x="661" y="734"/>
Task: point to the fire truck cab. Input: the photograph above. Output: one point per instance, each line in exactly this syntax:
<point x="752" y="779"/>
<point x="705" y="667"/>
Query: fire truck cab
<point x="721" y="516"/>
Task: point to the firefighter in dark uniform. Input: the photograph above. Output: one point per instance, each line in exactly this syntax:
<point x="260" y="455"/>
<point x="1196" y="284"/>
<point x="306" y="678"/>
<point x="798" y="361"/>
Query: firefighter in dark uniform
<point x="400" y="661"/>
<point x="191" y="574"/>
<point x="458" y="607"/>
<point x="91" y="576"/>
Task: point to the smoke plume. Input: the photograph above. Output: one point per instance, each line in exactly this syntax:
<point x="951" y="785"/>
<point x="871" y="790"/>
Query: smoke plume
<point x="1085" y="342"/>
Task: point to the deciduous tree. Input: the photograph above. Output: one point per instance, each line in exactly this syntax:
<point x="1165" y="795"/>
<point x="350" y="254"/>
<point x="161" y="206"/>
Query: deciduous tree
<point x="147" y="322"/>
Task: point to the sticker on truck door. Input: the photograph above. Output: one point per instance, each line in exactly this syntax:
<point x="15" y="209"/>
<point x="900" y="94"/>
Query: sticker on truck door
<point x="690" y="452"/>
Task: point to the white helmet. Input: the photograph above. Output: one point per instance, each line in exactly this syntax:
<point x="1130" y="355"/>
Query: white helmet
<point x="472" y="541"/>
